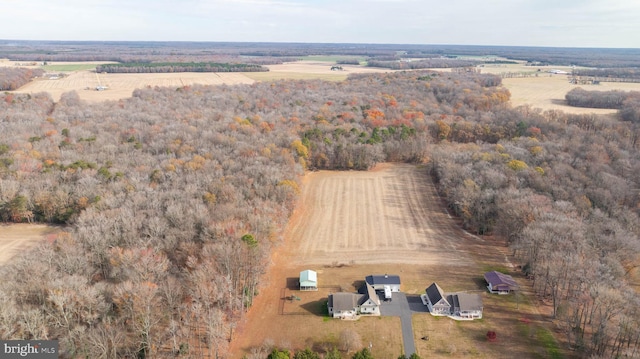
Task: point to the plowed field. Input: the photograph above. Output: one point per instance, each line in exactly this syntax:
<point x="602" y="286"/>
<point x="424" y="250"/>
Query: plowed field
<point x="381" y="216"/>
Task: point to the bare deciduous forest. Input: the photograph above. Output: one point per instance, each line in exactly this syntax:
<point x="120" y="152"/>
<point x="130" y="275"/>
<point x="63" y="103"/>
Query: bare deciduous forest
<point x="174" y="199"/>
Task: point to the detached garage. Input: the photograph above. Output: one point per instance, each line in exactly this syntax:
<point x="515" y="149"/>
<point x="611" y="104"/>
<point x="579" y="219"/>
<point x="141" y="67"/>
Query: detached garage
<point x="386" y="283"/>
<point x="308" y="280"/>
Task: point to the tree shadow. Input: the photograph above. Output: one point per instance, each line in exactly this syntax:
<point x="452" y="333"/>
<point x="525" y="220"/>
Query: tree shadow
<point x="316" y="307"/>
<point x="358" y="285"/>
<point x="480" y="283"/>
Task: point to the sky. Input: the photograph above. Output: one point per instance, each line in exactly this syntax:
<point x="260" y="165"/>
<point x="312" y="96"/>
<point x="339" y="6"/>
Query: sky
<point x="557" y="23"/>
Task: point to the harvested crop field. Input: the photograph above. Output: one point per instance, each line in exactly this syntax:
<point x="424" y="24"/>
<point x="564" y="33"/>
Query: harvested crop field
<point x="120" y="86"/>
<point x="547" y="92"/>
<point x="374" y="217"/>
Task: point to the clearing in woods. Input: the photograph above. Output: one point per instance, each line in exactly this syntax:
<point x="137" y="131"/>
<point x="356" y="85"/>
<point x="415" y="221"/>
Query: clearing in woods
<point x="16" y="238"/>
<point x="350" y="224"/>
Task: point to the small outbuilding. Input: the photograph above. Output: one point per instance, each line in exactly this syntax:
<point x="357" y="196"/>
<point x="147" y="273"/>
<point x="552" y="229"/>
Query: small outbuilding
<point x="308" y="280"/>
<point x="500" y="283"/>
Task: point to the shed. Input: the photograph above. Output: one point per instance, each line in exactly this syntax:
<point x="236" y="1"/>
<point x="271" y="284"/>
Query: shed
<point x="500" y="283"/>
<point x="308" y="280"/>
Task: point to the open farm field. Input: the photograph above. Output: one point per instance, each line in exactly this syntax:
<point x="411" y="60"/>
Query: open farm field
<point x="15" y="238"/>
<point x="82" y="78"/>
<point x="547" y="92"/>
<point x="348" y="225"/>
<point x="375" y="217"/>
<point x="306" y="70"/>
<point x="120" y="86"/>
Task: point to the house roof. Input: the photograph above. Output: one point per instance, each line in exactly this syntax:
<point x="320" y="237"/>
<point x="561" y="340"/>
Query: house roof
<point x="435" y="293"/>
<point x="342" y="301"/>
<point x="383" y="279"/>
<point x="498" y="279"/>
<point x="467" y="301"/>
<point x="308" y="277"/>
<point x="370" y="293"/>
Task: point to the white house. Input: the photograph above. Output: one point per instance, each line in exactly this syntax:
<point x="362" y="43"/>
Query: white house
<point x="370" y="302"/>
<point x="349" y="305"/>
<point x="437" y="301"/>
<point x="459" y="306"/>
<point x="343" y="305"/>
<point x="467" y="305"/>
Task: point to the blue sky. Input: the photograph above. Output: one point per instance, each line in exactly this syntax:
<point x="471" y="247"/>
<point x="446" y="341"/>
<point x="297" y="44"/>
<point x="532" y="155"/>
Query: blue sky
<point x="573" y="23"/>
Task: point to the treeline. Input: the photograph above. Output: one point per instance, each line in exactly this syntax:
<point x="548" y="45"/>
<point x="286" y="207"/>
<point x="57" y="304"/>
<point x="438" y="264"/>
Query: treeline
<point x="353" y="61"/>
<point x="130" y="51"/>
<point x="164" y="67"/>
<point x="421" y="64"/>
<point x="628" y="102"/>
<point x="623" y="73"/>
<point x="12" y="78"/>
<point x="174" y="198"/>
<point x="562" y="190"/>
<point x="613" y="99"/>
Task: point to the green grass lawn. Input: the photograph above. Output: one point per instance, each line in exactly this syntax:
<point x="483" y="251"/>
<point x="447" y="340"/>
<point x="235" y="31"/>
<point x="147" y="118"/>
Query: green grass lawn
<point x="69" y="67"/>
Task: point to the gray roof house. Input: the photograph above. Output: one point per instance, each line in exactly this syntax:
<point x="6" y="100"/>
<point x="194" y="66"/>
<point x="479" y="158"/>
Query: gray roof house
<point x="467" y="305"/>
<point x="370" y="302"/>
<point x="343" y="305"/>
<point x="455" y="305"/>
<point x="348" y="305"/>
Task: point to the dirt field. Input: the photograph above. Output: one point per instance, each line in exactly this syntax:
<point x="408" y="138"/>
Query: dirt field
<point x="15" y="238"/>
<point x="389" y="220"/>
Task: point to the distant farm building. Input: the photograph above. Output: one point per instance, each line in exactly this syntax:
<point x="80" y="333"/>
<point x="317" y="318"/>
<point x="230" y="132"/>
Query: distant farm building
<point x="459" y="306"/>
<point x="500" y="283"/>
<point x="308" y="280"/>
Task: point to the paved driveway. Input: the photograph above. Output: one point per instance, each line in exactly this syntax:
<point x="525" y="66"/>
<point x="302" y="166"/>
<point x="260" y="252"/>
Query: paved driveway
<point x="404" y="307"/>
